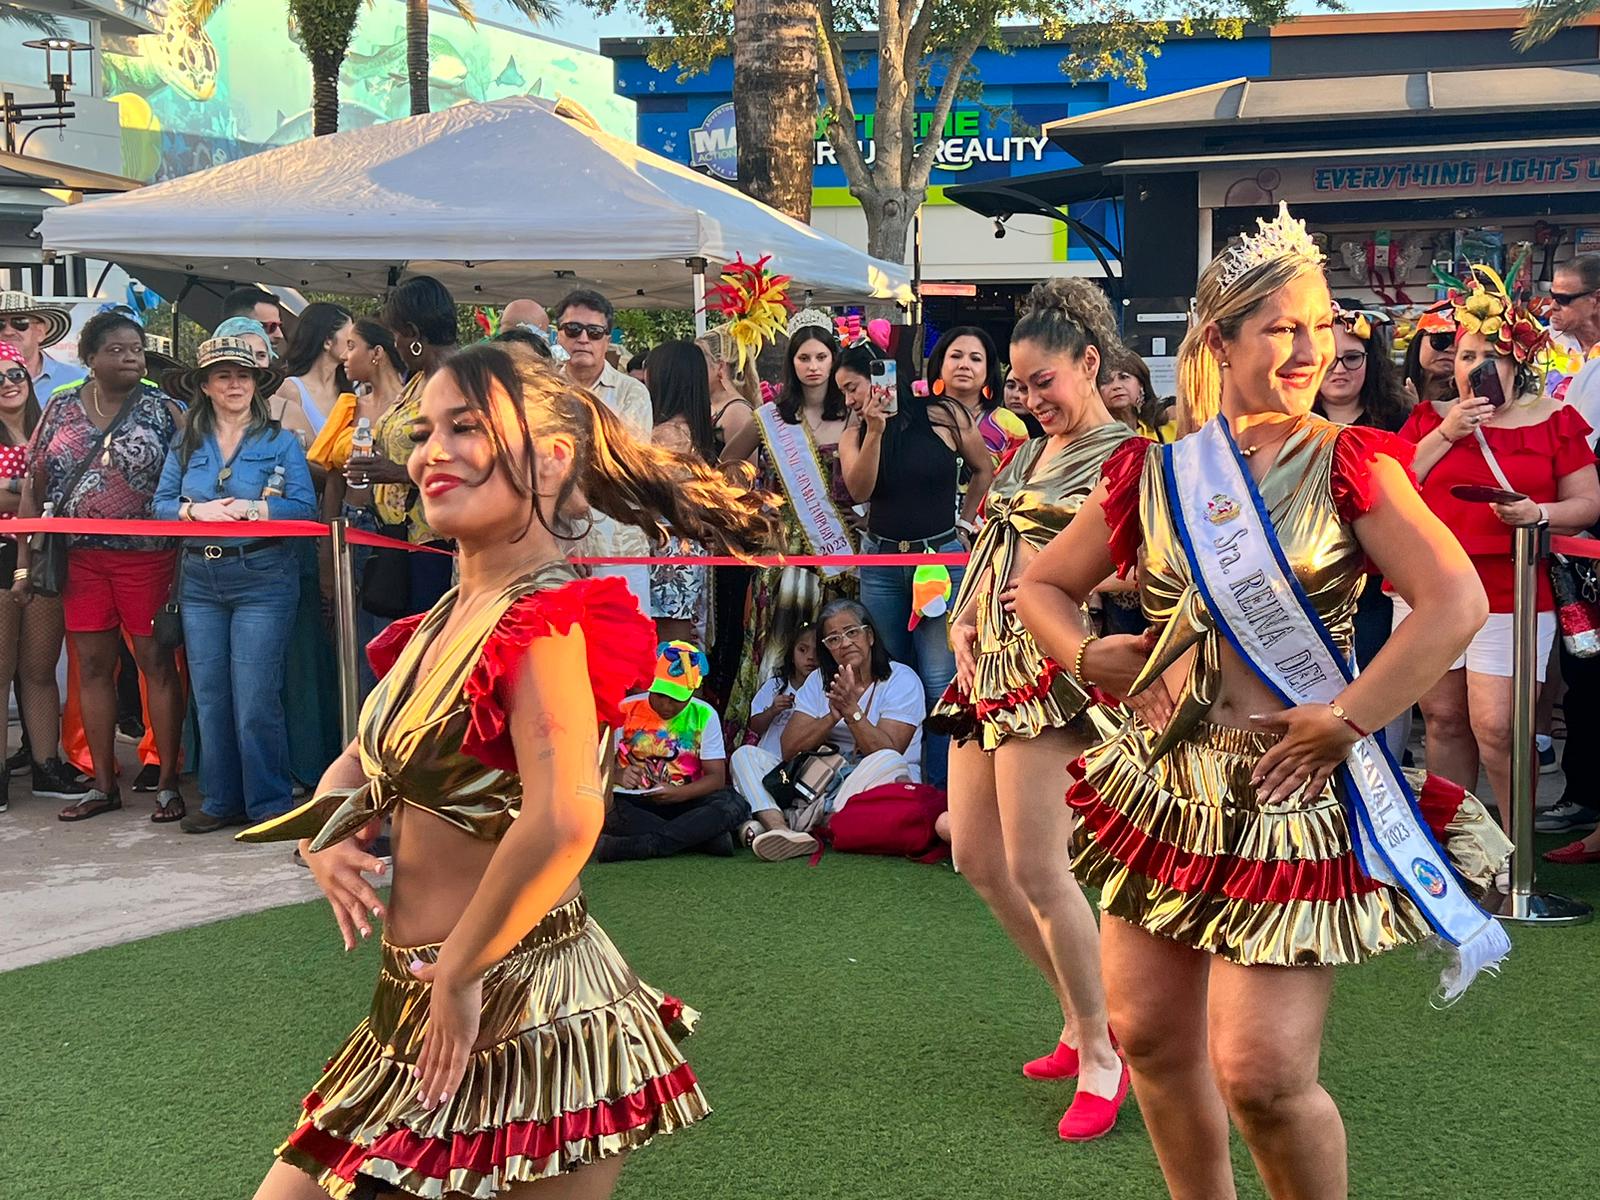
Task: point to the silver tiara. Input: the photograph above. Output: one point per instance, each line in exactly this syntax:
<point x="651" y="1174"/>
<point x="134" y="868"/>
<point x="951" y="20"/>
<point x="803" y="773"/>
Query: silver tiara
<point x="1282" y="237"/>
<point x="808" y="318"/>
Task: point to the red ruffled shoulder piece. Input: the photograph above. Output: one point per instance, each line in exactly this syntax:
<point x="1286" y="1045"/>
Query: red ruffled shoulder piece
<point x="619" y="640"/>
<point x="1353" y="455"/>
<point x="384" y="650"/>
<point x="1121" y="476"/>
<point x="1571" y="451"/>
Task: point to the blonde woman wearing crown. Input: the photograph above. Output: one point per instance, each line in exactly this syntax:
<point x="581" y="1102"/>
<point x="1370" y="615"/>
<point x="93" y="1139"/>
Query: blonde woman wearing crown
<point x="1245" y="831"/>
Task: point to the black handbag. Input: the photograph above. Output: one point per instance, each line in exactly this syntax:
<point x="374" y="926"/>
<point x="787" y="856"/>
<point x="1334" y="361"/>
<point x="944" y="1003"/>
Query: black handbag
<point x="809" y="776"/>
<point x="168" y="629"/>
<point x="386" y="578"/>
<point x="47" y="552"/>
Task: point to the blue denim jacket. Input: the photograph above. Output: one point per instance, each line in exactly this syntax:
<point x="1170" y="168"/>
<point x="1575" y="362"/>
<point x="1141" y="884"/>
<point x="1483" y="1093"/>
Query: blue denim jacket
<point x="252" y="464"/>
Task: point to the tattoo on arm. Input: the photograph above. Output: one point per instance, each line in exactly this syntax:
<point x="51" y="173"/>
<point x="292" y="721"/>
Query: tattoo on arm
<point x="546" y="725"/>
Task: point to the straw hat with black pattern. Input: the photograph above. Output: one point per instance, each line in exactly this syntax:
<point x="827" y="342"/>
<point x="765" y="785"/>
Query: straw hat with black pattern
<point x="184" y="383"/>
<point x="20" y="304"/>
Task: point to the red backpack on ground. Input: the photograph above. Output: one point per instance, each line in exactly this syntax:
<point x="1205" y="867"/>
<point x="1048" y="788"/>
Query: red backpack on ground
<point x="895" y="819"/>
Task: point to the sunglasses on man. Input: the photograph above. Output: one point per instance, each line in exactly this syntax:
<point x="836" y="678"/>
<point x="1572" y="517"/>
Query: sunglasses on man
<point x="14" y="375"/>
<point x="577" y="331"/>
<point x="1566" y="299"/>
<point x="21" y="324"/>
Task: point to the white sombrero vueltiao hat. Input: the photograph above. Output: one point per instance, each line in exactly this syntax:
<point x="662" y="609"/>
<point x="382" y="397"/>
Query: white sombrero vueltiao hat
<point x="20" y="304"/>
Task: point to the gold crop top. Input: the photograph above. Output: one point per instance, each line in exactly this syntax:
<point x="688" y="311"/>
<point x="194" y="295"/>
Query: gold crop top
<point x="440" y="742"/>
<point x="1318" y="485"/>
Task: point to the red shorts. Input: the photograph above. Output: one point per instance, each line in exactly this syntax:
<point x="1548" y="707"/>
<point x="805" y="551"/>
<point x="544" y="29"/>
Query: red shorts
<point x="110" y="588"/>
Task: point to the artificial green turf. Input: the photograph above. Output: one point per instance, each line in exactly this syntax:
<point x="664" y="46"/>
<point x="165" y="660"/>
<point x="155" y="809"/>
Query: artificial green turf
<point x="864" y="1026"/>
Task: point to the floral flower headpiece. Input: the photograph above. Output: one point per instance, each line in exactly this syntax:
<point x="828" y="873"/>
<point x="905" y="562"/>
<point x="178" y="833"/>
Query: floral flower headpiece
<point x="756" y="303"/>
<point x="1485" y="307"/>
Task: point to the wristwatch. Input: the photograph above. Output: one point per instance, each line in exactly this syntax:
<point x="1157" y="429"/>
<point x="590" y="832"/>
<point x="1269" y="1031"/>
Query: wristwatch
<point x="856" y="716"/>
<point x="253" y="510"/>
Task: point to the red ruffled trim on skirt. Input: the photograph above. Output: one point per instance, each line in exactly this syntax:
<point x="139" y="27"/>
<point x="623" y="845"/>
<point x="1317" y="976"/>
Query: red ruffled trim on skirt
<point x="1121" y="473"/>
<point x="1228" y="875"/>
<point x="486" y="1151"/>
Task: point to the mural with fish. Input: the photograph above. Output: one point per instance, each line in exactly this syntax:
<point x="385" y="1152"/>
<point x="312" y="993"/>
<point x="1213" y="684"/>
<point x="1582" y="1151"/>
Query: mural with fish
<point x="193" y="97"/>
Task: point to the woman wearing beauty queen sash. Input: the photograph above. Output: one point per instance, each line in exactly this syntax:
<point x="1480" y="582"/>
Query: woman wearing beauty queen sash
<point x="1245" y="832"/>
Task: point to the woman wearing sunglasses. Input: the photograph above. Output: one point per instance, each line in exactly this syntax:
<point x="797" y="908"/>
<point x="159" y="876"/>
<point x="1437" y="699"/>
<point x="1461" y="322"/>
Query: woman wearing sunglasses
<point x="857" y="700"/>
<point x="1430" y="366"/>
<point x="31" y="635"/>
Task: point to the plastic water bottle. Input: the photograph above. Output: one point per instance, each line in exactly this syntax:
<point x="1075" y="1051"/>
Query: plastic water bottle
<point x="361" y="446"/>
<point x="274" y="484"/>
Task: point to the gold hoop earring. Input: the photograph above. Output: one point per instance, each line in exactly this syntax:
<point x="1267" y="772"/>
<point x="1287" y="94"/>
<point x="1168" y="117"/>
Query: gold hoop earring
<point x="416" y="349"/>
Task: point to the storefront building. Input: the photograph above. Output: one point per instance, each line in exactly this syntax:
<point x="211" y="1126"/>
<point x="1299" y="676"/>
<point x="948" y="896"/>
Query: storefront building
<point x="995" y="139"/>
<point x="1412" y="144"/>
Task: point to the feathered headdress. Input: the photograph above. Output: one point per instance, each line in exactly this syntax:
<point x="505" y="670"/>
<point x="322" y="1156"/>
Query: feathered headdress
<point x="487" y="320"/>
<point x="1485" y="307"/>
<point x="1360" y="322"/>
<point x="756" y="303"/>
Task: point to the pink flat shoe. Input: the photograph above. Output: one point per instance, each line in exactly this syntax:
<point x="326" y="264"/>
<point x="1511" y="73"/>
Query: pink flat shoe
<point x="1572" y="855"/>
<point x="1092" y="1116"/>
<point x="1060" y="1063"/>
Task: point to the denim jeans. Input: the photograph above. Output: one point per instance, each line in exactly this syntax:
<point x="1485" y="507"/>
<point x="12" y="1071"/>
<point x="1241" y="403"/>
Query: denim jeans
<point x="886" y="594"/>
<point x="238" y="614"/>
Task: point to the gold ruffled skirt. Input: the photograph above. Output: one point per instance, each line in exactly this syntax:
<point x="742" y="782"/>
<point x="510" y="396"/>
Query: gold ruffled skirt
<point x="1017" y="690"/>
<point x="1182" y="848"/>
<point x="575" y="1064"/>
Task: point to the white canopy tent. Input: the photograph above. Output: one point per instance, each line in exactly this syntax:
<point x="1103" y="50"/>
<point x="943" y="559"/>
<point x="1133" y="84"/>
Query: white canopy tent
<point x="518" y="197"/>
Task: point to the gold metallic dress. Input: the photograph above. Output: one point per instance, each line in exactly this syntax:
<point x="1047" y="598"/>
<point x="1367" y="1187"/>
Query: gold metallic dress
<point x="574" y="1061"/>
<point x="1017" y="690"/>
<point x="1169" y="827"/>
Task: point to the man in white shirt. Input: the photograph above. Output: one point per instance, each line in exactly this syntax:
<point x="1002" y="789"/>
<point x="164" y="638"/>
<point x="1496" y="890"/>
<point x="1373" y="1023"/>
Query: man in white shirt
<point x="32" y="327"/>
<point x="1575" y="289"/>
<point x="584" y="320"/>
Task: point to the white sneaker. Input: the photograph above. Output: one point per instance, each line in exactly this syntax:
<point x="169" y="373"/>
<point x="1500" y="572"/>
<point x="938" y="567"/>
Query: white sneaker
<point x="776" y="845"/>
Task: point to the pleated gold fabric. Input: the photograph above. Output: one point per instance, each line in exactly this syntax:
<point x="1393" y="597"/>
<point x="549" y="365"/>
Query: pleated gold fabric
<point x="1180" y="845"/>
<point x="1017" y="691"/>
<point x="574" y="1064"/>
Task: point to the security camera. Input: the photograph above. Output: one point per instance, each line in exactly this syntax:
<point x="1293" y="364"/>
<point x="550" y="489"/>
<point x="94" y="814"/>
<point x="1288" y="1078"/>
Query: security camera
<point x="999" y="227"/>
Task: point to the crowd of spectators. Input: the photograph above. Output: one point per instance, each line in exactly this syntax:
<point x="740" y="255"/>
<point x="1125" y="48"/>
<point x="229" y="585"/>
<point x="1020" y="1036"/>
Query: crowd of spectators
<point x="763" y="672"/>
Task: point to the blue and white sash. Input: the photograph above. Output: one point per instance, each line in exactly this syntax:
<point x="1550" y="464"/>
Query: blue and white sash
<point x="1242" y="574"/>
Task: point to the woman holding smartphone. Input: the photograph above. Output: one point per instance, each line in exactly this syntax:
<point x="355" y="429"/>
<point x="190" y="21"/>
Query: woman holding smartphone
<point x="902" y="454"/>
<point x="1506" y="435"/>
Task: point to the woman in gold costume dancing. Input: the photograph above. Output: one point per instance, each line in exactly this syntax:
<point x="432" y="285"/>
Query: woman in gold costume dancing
<point x="509" y="1050"/>
<point x="1015" y="714"/>
<point x="1232" y="869"/>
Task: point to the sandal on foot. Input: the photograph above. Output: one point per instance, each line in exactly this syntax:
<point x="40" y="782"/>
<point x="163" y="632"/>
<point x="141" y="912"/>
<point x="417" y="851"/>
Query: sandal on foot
<point x="1092" y="1116"/>
<point x="169" y="808"/>
<point x="92" y="805"/>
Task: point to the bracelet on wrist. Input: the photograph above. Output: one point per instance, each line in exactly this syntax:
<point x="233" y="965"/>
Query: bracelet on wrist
<point x="1338" y="711"/>
<point x="1077" y="659"/>
<point x="19" y="574"/>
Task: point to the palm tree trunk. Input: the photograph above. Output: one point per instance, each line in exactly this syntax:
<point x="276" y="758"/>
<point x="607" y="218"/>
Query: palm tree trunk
<point x="324" y="95"/>
<point x="417" y="54"/>
<point x="775" y="100"/>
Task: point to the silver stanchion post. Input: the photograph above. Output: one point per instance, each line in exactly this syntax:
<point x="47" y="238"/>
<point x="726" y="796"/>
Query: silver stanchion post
<point x="1530" y="547"/>
<point x="344" y="622"/>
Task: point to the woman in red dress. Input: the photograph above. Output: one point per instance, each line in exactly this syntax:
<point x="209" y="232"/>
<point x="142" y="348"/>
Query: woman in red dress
<point x="1529" y="444"/>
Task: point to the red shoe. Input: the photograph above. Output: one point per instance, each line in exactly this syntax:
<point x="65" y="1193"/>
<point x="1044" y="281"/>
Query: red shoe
<point x="1573" y="855"/>
<point x="1060" y="1063"/>
<point x="1091" y="1116"/>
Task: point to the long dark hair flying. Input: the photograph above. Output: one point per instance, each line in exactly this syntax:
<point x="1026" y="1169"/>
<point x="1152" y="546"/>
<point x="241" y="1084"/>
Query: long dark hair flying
<point x="679" y="387"/>
<point x="634" y="482"/>
<point x="793" y="396"/>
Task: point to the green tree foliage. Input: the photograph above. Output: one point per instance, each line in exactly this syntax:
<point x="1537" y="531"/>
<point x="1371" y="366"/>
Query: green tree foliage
<point x="924" y="58"/>
<point x="1546" y="18"/>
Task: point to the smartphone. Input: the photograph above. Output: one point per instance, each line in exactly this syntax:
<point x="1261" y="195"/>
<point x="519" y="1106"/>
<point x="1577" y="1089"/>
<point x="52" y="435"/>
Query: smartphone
<point x="886" y="385"/>
<point x="1485" y="381"/>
